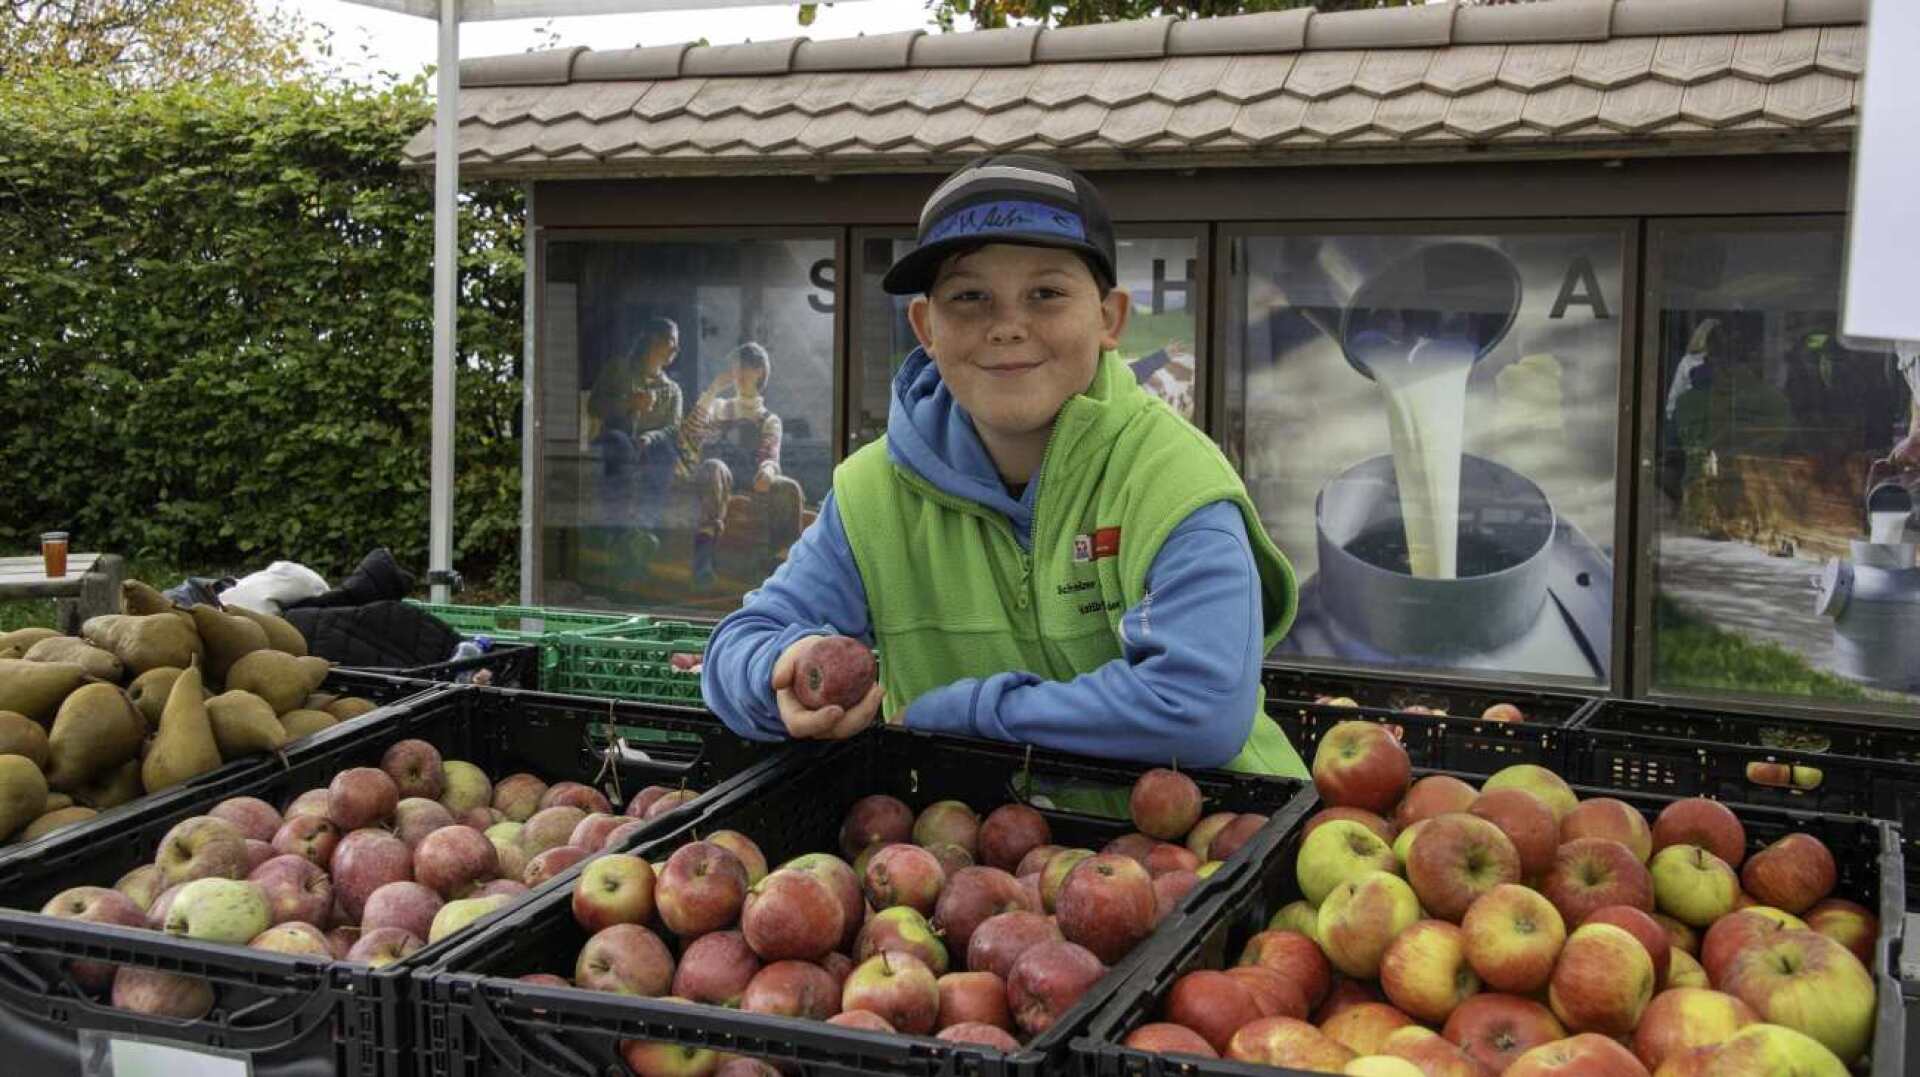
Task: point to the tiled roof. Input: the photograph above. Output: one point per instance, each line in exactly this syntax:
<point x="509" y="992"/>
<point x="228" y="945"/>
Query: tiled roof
<point x="1550" y="78"/>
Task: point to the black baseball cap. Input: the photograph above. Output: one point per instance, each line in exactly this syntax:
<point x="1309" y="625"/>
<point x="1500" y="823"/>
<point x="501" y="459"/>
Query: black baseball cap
<point x="1011" y="198"/>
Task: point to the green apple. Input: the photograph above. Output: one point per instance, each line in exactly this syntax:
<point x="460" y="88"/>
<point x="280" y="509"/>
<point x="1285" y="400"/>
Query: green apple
<point x="1404" y="842"/>
<point x="1338" y="852"/>
<point x="1693" y="885"/>
<point x="1296" y="916"/>
<point x="455" y="915"/>
<point x="467" y="787"/>
<point x="219" y="910"/>
<point x="1360" y="918"/>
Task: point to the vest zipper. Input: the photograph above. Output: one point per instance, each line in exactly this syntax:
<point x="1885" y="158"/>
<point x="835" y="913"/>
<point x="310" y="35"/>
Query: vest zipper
<point x="1033" y="529"/>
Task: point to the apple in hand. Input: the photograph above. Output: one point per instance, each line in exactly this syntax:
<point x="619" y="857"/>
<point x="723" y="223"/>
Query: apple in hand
<point x="1602" y="982"/>
<point x="1361" y="765"/>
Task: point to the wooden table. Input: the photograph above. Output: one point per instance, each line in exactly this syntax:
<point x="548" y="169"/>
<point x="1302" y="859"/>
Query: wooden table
<point x="91" y="586"/>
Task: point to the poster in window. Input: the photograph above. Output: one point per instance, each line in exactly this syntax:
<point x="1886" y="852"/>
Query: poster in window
<point x="1429" y="427"/>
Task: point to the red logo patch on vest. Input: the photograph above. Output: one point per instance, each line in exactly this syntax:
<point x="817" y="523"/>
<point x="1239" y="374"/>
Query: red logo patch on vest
<point x="1102" y="543"/>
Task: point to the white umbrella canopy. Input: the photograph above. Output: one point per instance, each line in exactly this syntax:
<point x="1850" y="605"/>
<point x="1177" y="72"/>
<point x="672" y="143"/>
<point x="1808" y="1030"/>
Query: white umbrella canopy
<point x="446" y="185"/>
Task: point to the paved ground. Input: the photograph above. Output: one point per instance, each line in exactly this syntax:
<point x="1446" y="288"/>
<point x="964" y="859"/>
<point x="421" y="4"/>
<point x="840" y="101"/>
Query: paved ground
<point x="1735" y="587"/>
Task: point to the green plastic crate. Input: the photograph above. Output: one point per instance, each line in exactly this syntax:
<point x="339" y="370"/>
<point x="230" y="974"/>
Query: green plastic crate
<point x="633" y="662"/>
<point x="526" y="624"/>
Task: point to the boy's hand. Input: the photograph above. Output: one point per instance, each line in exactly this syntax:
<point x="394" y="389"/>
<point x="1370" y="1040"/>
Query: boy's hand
<point x="827" y="723"/>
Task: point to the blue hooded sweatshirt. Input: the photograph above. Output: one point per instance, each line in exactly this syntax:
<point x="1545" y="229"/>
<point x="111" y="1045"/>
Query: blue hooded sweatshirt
<point x="1185" y="690"/>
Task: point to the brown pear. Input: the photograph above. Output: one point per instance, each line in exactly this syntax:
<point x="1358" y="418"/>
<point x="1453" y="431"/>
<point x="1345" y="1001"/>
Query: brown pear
<point x="281" y="636"/>
<point x="54" y="820"/>
<point x="244" y="724"/>
<point x="154" y="641"/>
<point x="99" y="664"/>
<point x="36" y="689"/>
<point x="98" y="728"/>
<point x="305" y="723"/>
<point x="347" y="708"/>
<point x="21" y="735"/>
<point x="184" y="747"/>
<point x="56" y="801"/>
<point x="227" y="639"/>
<point x="12" y="652"/>
<point x="149" y="692"/>
<point x="138" y="598"/>
<point x="23" y="794"/>
<point x="112" y="789"/>
<point x="25" y="638"/>
<point x="319" y="701"/>
<point x="277" y="677"/>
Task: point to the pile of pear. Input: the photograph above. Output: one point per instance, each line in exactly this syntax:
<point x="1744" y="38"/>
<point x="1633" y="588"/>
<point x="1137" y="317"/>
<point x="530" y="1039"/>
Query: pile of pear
<point x="145" y="700"/>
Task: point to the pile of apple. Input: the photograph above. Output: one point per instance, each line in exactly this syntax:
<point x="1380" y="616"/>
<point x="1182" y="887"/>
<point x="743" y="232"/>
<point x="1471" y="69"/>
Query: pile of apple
<point x="1516" y="930"/>
<point x="381" y="862"/>
<point x="977" y="930"/>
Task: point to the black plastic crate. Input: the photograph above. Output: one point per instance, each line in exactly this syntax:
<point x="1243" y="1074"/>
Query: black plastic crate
<point x="298" y="1016"/>
<point x="507" y="665"/>
<point x="479" y="1020"/>
<point x="1212" y="933"/>
<point x="1458" y="739"/>
<point x="1844" y="767"/>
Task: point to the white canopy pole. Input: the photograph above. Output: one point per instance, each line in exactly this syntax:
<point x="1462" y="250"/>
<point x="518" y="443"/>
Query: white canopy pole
<point x="446" y="273"/>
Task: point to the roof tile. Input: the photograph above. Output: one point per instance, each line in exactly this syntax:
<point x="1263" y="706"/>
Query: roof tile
<point x="776" y="94"/>
<point x="877" y="52"/>
<point x="883" y="90"/>
<point x="1519" y="24"/>
<point x="667" y="99"/>
<point x="548" y="67"/>
<point x="1536" y="67"/>
<point x="1382" y="28"/>
<point x="1485" y="113"/>
<point x="1265" y="31"/>
<point x="1843" y="50"/>
<point x="1825" y="12"/>
<point x="1723" y="101"/>
<point x="1008" y="46"/>
<point x="556" y="139"/>
<point x="827" y="92"/>
<point x="1009" y="128"/>
<point x="1252" y="78"/>
<point x="1463" y="69"/>
<point x="1131" y="39"/>
<point x="1644" y="18"/>
<point x="948" y="129"/>
<point x="1340" y="115"/>
<point x="1772" y="57"/>
<point x="1323" y="74"/>
<point x="832" y="131"/>
<point x="1385" y="72"/>
<point x="1695" y="58"/>
<point x="889" y="129"/>
<point x="1202" y="121"/>
<point x="1136" y="123"/>
<point x="608" y="139"/>
<point x="1062" y="84"/>
<point x="1810" y="99"/>
<point x="728" y="130"/>
<point x="510" y="105"/>
<point x="628" y="65"/>
<point x="1642" y="106"/>
<point x="1189" y="78"/>
<point x="1615" y="63"/>
<point x="1562" y="108"/>
<point x="722" y="96"/>
<point x="1001" y="88"/>
<point x="665" y="135"/>
<point x="1271" y="119"/>
<point x="1412" y="113"/>
<point x="943" y="88"/>
<point x="748" y="58"/>
<point x="776" y="132"/>
<point x="1126" y="82"/>
<point x="1075" y="123"/>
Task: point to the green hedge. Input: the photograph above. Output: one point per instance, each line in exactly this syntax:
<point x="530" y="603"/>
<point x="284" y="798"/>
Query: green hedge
<point x="216" y="329"/>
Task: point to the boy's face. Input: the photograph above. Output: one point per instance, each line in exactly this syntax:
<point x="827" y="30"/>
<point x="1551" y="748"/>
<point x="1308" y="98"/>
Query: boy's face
<point x="1016" y="331"/>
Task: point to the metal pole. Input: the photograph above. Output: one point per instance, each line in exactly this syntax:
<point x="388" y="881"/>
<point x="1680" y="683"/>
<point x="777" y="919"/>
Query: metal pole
<point x="446" y="267"/>
<point x="532" y="426"/>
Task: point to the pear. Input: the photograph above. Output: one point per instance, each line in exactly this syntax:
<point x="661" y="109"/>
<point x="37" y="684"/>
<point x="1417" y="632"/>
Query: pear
<point x="110" y="790"/>
<point x="12" y="652"/>
<point x="56" y="801"/>
<point x="281" y="636"/>
<point x="277" y="677"/>
<point x="23" y="638"/>
<point x="21" y="735"/>
<point x="140" y="599"/>
<point x="149" y="692"/>
<point x="305" y="723"/>
<point x="35" y="689"/>
<point x="143" y="643"/>
<point x="227" y="638"/>
<point x="99" y="664"/>
<point x="23" y="793"/>
<point x="319" y="701"/>
<point x="244" y="724"/>
<point x="184" y="747"/>
<point x="54" y="820"/>
<point x="347" y="708"/>
<point x="98" y="728"/>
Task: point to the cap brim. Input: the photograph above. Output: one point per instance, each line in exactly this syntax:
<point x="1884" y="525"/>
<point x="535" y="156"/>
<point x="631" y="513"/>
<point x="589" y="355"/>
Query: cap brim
<point x="914" y="273"/>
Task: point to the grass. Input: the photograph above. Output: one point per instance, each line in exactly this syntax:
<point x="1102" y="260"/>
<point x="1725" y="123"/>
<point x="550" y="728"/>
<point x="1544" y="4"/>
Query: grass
<point x="1689" y="653"/>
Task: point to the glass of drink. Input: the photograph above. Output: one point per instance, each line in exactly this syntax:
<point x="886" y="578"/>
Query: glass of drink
<point x="53" y="548"/>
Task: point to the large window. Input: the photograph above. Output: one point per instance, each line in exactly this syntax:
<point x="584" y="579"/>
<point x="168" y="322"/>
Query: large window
<point x="1159" y="270"/>
<point x="1779" y="510"/>
<point x="688" y="403"/>
<point x="1428" y="424"/>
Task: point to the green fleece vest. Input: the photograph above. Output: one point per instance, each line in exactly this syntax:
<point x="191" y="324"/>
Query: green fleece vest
<point x="952" y="594"/>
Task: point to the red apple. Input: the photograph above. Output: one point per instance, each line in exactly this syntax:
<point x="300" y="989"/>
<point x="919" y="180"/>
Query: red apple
<point x="311" y="802"/>
<point x="625" y="959"/>
<point x="1359" y="920"/>
<point x="1213" y="1004"/>
<point x="1000" y="940"/>
<point x="971" y="897"/>
<point x="310" y="837"/>
<point x="793" y="989"/>
<point x="415" y="817"/>
<point x="875" y="820"/>
<point x="789" y="915"/>
<point x="973" y="997"/>
<point x="1200" y="838"/>
<point x="1793" y="873"/>
<point x="1425" y="971"/>
<point x="360" y="797"/>
<point x="1592" y="873"/>
<point x="383" y="946"/>
<point x="253" y="817"/>
<point x="296" y="890"/>
<point x="842" y="883"/>
<point x="517" y="796"/>
<point x="1364" y="1028"/>
<point x="1009" y="833"/>
<point x="716" y="968"/>
<point x="293" y="937"/>
<point x="1640" y="925"/>
<point x="745" y="850"/>
<point x="1706" y="823"/>
<point x="1588" y="1054"/>
<point x="1737" y="930"/>
<point x="1552" y="789"/>
<point x="1107" y="906"/>
<point x="898" y="987"/>
<point x="671" y="802"/>
<point x="1054" y="875"/>
<point x="1345" y="992"/>
<point x="981" y="1033"/>
<point x="834" y="671"/>
<point x="900" y="929"/>
<point x="1602" y="982"/>
<point x="1036" y="859"/>
<point x="550" y="828"/>
<point x="1165" y="804"/>
<point x="1169" y="890"/>
<point x="574" y="794"/>
<point x="1456" y="858"/>
<point x="901" y="874"/>
<point x="1809" y="983"/>
<point x="1495" y="1029"/>
<point x="861" y="1019"/>
<point x="1852" y="926"/>
<point x="1679" y="935"/>
<point x="1353" y="815"/>
<point x="1679" y="1020"/>
<point x="1285" y="1042"/>
<point x="1166" y="857"/>
<point x="1272" y="993"/>
<point x="614" y="889"/>
<point x="415" y="767"/>
<point x="1361" y="765"/>
<point x="1503" y="712"/>
<point x="1431" y="1055"/>
<point x="949" y="821"/>
<point x="366" y="861"/>
<point x="1294" y="956"/>
<point x="703" y="889"/>
<point x="1134" y="847"/>
<point x="1167" y="1038"/>
<point x="1435" y="794"/>
<point x="1048" y="980"/>
<point x="1513" y="937"/>
<point x="652" y="1058"/>
<point x="1615" y="820"/>
<point x="591" y="832"/>
<point x="94" y="905"/>
<point x="455" y="859"/>
<point x="551" y="863"/>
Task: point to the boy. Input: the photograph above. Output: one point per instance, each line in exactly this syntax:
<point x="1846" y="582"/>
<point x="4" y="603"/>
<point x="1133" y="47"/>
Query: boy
<point x="1040" y="551"/>
<point x="738" y="435"/>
